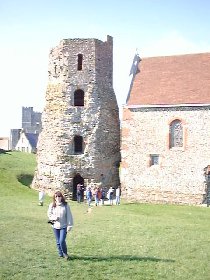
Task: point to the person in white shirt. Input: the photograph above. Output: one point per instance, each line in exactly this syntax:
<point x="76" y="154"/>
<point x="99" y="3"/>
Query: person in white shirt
<point x="110" y="195"/>
<point x="60" y="217"/>
<point x="117" y="201"/>
<point x="41" y="197"/>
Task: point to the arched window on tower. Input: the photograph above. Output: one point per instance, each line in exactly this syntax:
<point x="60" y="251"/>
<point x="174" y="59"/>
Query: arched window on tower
<point x="78" y="144"/>
<point x="176" y="134"/>
<point x="79" y="62"/>
<point x="79" y="97"/>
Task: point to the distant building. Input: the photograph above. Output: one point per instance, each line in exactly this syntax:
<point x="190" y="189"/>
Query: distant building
<point x="14" y="137"/>
<point x="31" y="124"/>
<point x="4" y="143"/>
<point x="31" y="121"/>
<point x="27" y="142"/>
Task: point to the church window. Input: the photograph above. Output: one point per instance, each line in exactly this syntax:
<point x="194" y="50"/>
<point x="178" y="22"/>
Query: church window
<point x="154" y="160"/>
<point x="176" y="134"/>
<point x="79" y="63"/>
<point x="79" y="98"/>
<point x="78" y="144"/>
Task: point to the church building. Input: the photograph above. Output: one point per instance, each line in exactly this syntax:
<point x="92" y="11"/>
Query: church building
<point x="166" y="130"/>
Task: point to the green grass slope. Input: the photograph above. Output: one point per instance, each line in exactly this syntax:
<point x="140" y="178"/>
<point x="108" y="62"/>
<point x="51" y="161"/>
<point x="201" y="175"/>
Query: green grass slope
<point x="130" y="241"/>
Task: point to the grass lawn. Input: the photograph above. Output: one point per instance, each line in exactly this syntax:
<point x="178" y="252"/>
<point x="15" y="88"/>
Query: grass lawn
<point x="130" y="241"/>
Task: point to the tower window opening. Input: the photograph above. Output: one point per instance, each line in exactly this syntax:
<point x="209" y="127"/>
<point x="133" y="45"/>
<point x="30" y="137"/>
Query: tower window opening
<point x="78" y="144"/>
<point x="79" y="98"/>
<point x="79" y="62"/>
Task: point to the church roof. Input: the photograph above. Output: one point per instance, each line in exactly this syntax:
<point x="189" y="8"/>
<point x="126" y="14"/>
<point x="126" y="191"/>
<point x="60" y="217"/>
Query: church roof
<point x="171" y="80"/>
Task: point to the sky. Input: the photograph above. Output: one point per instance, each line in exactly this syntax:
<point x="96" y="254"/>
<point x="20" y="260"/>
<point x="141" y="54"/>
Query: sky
<point x="29" y="29"/>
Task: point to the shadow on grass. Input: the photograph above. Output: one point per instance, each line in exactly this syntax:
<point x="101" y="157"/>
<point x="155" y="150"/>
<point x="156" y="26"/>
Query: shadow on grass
<point x="2" y="151"/>
<point x="122" y="258"/>
<point x="25" y="179"/>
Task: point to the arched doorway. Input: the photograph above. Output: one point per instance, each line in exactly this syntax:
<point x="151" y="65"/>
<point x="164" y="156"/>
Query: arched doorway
<point x="78" y="180"/>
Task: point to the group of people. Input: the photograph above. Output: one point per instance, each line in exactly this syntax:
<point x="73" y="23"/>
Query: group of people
<point x="60" y="215"/>
<point x="98" y="194"/>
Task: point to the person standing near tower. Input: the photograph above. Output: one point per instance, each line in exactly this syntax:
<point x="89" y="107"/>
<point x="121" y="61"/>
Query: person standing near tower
<point x="117" y="196"/>
<point x="79" y="192"/>
<point x="41" y="197"/>
<point x="89" y="196"/>
<point x="110" y="195"/>
<point x="60" y="217"/>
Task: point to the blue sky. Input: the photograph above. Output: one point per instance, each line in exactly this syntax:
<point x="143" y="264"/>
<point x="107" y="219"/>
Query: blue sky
<point x="29" y="29"/>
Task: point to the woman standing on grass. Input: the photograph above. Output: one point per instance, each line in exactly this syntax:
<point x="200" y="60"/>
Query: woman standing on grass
<point x="60" y="216"/>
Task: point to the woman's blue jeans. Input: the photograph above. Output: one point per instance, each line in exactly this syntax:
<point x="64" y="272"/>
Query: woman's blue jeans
<point x="96" y="200"/>
<point x="89" y="201"/>
<point x="60" y="236"/>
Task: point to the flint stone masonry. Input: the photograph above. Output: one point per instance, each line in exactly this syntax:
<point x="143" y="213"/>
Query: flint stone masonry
<point x="97" y="122"/>
<point x="179" y="176"/>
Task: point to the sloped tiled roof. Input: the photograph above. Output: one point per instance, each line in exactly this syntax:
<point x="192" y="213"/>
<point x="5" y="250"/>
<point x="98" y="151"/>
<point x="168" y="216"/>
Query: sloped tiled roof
<point x="172" y="80"/>
<point x="32" y="138"/>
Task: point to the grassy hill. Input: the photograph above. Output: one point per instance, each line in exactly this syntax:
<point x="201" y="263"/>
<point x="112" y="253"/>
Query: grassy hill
<point x="13" y="166"/>
<point x="130" y="241"/>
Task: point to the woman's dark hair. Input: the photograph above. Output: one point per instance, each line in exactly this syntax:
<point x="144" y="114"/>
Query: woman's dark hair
<point x="58" y="193"/>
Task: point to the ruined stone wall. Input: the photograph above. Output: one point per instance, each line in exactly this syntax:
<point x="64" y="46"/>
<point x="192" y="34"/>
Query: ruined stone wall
<point x="178" y="178"/>
<point x="97" y="121"/>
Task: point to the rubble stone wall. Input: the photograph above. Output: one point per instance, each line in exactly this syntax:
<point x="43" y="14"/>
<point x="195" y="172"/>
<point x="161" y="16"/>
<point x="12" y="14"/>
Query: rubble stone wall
<point x="179" y="176"/>
<point x="97" y="121"/>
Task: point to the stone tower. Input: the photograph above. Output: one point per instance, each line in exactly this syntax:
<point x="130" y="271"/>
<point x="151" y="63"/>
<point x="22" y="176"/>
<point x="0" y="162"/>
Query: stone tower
<point x="31" y="121"/>
<point x="80" y="138"/>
